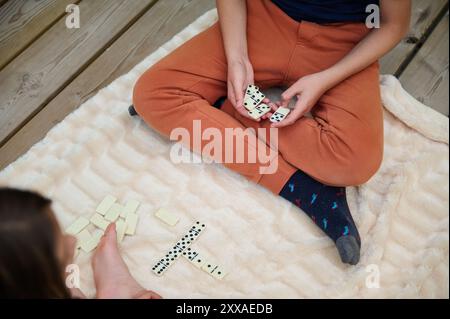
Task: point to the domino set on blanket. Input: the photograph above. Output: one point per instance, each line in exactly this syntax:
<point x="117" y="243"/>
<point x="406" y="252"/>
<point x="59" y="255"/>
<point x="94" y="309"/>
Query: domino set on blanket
<point x="126" y="219"/>
<point x="256" y="109"/>
<point x="107" y="211"/>
<point x="182" y="248"/>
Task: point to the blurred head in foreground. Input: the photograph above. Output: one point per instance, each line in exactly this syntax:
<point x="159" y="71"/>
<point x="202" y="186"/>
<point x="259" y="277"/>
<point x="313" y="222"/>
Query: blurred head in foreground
<point x="33" y="250"/>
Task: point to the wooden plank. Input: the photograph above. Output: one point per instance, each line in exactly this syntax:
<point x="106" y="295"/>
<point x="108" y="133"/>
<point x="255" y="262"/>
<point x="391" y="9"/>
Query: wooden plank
<point x="21" y="22"/>
<point x="424" y="13"/>
<point x="426" y="77"/>
<point x="165" y="19"/>
<point x="60" y="54"/>
<point x="2" y="2"/>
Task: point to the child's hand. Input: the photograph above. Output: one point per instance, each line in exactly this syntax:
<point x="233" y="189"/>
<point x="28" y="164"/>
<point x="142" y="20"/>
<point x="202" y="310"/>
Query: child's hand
<point x="273" y="106"/>
<point x="309" y="89"/>
<point x="240" y="75"/>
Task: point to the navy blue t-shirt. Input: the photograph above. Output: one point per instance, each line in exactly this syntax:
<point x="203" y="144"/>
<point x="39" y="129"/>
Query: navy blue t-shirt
<point x="326" y="11"/>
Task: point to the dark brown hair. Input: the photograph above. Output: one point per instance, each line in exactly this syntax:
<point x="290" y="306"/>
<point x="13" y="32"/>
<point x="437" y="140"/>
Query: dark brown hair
<point x="29" y="263"/>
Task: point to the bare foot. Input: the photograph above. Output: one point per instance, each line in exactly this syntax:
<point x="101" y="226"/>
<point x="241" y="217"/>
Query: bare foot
<point x="112" y="277"/>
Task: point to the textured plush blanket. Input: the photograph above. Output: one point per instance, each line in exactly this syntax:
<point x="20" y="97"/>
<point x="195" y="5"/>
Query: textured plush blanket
<point x="270" y="248"/>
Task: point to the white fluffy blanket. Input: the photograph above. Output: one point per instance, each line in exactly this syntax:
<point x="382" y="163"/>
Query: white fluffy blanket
<point x="270" y="248"/>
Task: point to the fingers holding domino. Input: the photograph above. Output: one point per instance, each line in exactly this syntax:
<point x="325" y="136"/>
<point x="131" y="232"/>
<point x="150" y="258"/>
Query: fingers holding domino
<point x="238" y="101"/>
<point x="245" y="113"/>
<point x="257" y="106"/>
<point x="283" y="117"/>
<point x="273" y="108"/>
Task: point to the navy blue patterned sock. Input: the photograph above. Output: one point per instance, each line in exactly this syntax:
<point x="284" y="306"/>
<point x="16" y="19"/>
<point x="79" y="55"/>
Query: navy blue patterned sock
<point x="327" y="207"/>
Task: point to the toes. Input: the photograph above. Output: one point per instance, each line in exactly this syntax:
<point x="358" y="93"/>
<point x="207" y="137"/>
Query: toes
<point x="348" y="249"/>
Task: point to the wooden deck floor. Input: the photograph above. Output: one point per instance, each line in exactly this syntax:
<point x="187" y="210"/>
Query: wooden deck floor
<point x="48" y="70"/>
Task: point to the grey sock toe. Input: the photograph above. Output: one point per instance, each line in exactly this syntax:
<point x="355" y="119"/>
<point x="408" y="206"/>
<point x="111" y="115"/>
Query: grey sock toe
<point x="348" y="249"/>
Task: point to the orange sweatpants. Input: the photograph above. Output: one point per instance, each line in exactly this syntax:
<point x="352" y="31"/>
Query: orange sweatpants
<point x="341" y="145"/>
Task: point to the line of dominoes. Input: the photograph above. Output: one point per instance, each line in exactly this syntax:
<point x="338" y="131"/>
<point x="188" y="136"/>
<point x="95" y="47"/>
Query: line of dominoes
<point x="202" y="263"/>
<point x="164" y="263"/>
<point x="193" y="256"/>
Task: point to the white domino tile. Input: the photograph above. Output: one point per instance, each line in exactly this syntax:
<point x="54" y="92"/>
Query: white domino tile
<point x="280" y="114"/>
<point x="131" y="223"/>
<point x="87" y="242"/>
<point x="197" y="228"/>
<point x="167" y="217"/>
<point x="105" y="204"/>
<point x="259" y="111"/>
<point x="283" y="110"/>
<point x="130" y="207"/>
<point x="214" y="270"/>
<point x="258" y="97"/>
<point x="114" y="212"/>
<point x="249" y="103"/>
<point x="100" y="222"/>
<point x="121" y="227"/>
<point x="253" y="97"/>
<point x="77" y="226"/>
<point x="82" y="237"/>
<point x="194" y="257"/>
<point x="218" y="273"/>
<point x="251" y="88"/>
<point x="209" y="267"/>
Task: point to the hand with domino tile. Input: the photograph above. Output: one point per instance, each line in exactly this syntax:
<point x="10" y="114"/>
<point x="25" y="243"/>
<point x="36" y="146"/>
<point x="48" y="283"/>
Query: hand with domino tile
<point x="308" y="90"/>
<point x="240" y="75"/>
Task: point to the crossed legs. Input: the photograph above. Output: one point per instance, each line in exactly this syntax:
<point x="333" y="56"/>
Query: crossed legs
<point x="341" y="145"/>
